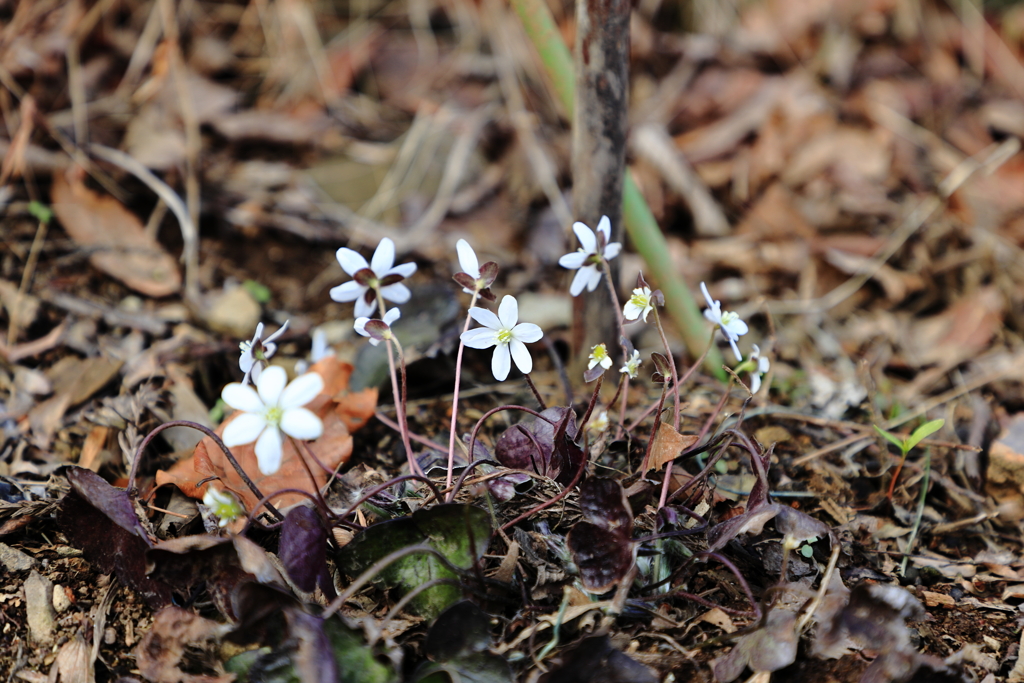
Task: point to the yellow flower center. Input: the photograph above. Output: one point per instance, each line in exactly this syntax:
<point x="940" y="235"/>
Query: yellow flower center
<point x="504" y="336"/>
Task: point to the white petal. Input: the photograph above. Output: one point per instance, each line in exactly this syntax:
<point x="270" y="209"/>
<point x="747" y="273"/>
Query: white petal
<point x="485" y="318"/>
<point x="241" y="397"/>
<point x="736" y="328"/>
<point x="268" y="450"/>
<point x="521" y="355"/>
<point x="347" y="291"/>
<point x="300" y="423"/>
<point x="763" y="364"/>
<point x="612" y="250"/>
<point x="360" y="326"/>
<point x="593" y="279"/>
<point x="480" y="338"/>
<point x="271" y="384"/>
<point x="605" y="225"/>
<point x="281" y="330"/>
<point x="713" y="305"/>
<point x="259" y="333"/>
<point x="302" y="390"/>
<point x="710" y="315"/>
<point x="755" y="351"/>
<point x="755" y="383"/>
<point x="246" y="360"/>
<point x="383" y="257"/>
<point x="397" y="292"/>
<point x="405" y="270"/>
<point x="586" y="237"/>
<point x="573" y="261"/>
<point x="501" y="362"/>
<point x="735" y="350"/>
<point x="508" y="312"/>
<point x="245" y="428"/>
<point x="467" y="259"/>
<point x="527" y="332"/>
<point x="364" y="308"/>
<point x="351" y="261"/>
<point x="580" y="280"/>
<point x="391" y="316"/>
<point x="631" y="311"/>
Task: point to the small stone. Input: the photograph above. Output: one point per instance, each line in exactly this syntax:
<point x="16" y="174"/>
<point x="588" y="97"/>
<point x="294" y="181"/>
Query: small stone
<point x="233" y="312"/>
<point x="15" y="560"/>
<point x="61" y="601"/>
<point x="39" y="608"/>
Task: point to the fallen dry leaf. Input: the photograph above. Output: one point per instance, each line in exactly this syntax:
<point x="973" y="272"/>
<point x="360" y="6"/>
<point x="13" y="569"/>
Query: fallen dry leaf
<point x="115" y="236"/>
<point x="668" y="444"/>
<point x="341" y="412"/>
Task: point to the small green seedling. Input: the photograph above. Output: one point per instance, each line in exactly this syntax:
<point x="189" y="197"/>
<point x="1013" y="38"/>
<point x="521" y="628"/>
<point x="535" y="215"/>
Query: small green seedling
<point x="41" y="212"/>
<point x="907" y="444"/>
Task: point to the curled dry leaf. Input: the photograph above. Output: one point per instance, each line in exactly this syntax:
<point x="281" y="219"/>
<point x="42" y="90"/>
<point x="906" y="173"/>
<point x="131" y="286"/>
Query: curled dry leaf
<point x="341" y="412"/>
<point x="668" y="444"/>
<point x="115" y="236"/>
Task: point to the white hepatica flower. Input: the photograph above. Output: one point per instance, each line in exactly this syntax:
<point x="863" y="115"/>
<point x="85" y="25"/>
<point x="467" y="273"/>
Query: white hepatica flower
<point x="502" y="332"/>
<point x="268" y="410"/>
<point x="639" y="304"/>
<point x="599" y="356"/>
<point x="586" y="260"/>
<point x="378" y="333"/>
<point x="599" y="424"/>
<point x="732" y="327"/>
<point x="257" y="352"/>
<point x="381" y="272"/>
<point x="475" y="278"/>
<point x="632" y="366"/>
<point x="755" y="373"/>
<point x="224" y="506"/>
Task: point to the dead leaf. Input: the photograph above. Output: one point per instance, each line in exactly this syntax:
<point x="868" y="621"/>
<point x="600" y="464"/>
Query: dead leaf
<point x="668" y="444"/>
<point x="116" y="238"/>
<point x="161" y="650"/>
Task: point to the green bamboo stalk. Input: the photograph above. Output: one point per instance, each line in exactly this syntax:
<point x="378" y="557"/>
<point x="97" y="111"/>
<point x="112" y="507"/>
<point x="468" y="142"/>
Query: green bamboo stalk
<point x="641" y="225"/>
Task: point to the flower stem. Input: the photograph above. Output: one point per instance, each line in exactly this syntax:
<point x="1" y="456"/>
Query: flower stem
<point x="624" y="386"/>
<point x="403" y="424"/>
<point x="536" y="394"/>
<point x="455" y="396"/>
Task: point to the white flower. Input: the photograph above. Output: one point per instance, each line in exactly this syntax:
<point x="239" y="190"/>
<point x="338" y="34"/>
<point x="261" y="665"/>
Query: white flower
<point x="508" y="338"/>
<point x="389" y="318"/>
<point x="257" y="352"/>
<point x="599" y="356"/>
<point x="732" y="327"/>
<point x="268" y="410"/>
<point x="639" y="304"/>
<point x="587" y="259"/>
<point x="632" y="366"/>
<point x="467" y="260"/>
<point x="755" y="373"/>
<point x="366" y="277"/>
<point x="600" y="423"/>
<point x="224" y="506"/>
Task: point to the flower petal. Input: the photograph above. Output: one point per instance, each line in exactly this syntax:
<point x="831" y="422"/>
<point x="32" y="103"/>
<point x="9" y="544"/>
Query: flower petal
<point x="735" y="349"/>
<point x="302" y="390"/>
<point x="485" y="318"/>
<point x="580" y="280"/>
<point x="480" y="338"/>
<point x="391" y="316"/>
<point x="612" y="250"/>
<point x="270" y="384"/>
<point x="713" y="305"/>
<point x="711" y="317"/>
<point x="586" y="237"/>
<point x="351" y="261"/>
<point x="383" y="257"/>
<point x="521" y="355"/>
<point x="501" y="362"/>
<point x="467" y="259"/>
<point x="347" y="291"/>
<point x="755" y="382"/>
<point x="527" y="332"/>
<point x="605" y="225"/>
<point x="300" y="423"/>
<point x="360" y="326"/>
<point x="735" y="328"/>
<point x="405" y="270"/>
<point x="593" y="279"/>
<point x="268" y="450"/>
<point x="244" y="429"/>
<point x="508" y="312"/>
<point x="573" y="260"/>
<point x="242" y="397"/>
<point x="364" y="308"/>
<point x="397" y="292"/>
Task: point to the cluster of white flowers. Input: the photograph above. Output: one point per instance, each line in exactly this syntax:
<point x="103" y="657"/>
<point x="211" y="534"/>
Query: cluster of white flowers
<point x="275" y="407"/>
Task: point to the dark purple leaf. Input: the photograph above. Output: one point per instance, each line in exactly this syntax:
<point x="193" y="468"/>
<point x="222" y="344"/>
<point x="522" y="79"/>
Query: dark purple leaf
<point x="602" y="544"/>
<point x="376" y="329"/>
<point x="641" y="281"/>
<point x="391" y="279"/>
<point x="504" y="488"/>
<point x="658" y="298"/>
<point x="487" y="295"/>
<point x="303" y="551"/>
<point x="462" y="629"/>
<point x="313" y="657"/>
<point x="593" y="373"/>
<point x="595" y="660"/>
<point x="100" y="520"/>
<point x="548" y="449"/>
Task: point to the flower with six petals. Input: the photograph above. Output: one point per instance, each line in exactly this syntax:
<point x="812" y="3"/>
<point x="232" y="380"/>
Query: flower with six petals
<point x="640" y="303"/>
<point x="632" y="366"/>
<point x="377" y="330"/>
<point x="506" y="334"/>
<point x="380" y="273"/>
<point x="586" y="260"/>
<point x="257" y="352"/>
<point x="270" y="409"/>
<point x="729" y="322"/>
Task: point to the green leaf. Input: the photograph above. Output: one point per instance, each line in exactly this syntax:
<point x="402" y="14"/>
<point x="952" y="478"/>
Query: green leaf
<point x="807" y="551"/>
<point x="354" y="658"/>
<point x="923" y="432"/>
<point x="40" y="211"/>
<point x="460" y="533"/>
<point x="890" y="436"/>
<point x="259" y="292"/>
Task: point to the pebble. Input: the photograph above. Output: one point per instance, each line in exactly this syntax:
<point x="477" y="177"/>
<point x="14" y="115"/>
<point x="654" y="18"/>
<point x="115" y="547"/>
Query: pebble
<point x="60" y="598"/>
<point x="15" y="560"/>
<point x="39" y="608"/>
